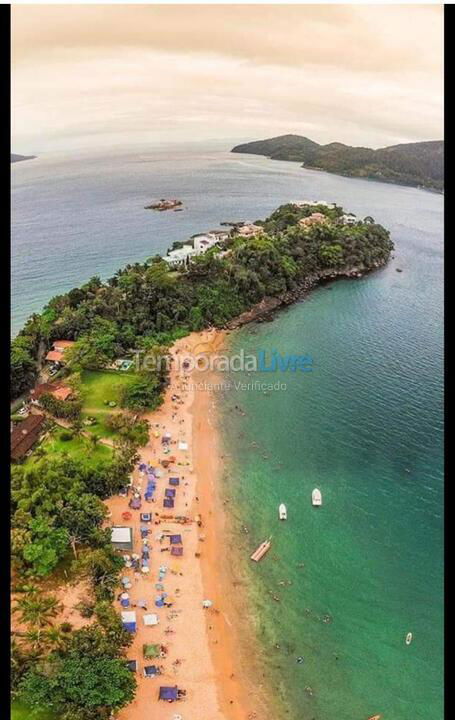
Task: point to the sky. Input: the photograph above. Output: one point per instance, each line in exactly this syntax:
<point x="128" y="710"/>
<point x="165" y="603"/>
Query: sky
<point x="89" y="76"/>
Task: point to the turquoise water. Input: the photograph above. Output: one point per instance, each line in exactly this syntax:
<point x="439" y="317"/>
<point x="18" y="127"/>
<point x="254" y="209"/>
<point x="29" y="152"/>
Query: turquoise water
<point x="365" y="426"/>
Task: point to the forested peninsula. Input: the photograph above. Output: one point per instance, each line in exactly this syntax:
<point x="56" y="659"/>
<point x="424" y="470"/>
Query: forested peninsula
<point x="149" y="304"/>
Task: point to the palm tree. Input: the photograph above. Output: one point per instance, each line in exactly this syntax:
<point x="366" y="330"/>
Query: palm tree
<point x="33" y="640"/>
<point x="56" y="638"/>
<point x="37" y="610"/>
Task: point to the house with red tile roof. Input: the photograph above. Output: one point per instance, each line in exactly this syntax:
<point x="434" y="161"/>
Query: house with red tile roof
<point x="57" y="353"/>
<point x="57" y="390"/>
<point x="25" y="434"/>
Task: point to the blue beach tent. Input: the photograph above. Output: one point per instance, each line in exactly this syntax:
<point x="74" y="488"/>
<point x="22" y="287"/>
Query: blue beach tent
<point x="168" y="693"/>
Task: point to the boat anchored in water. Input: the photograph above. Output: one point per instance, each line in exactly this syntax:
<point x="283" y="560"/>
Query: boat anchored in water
<point x="261" y="550"/>
<point x="408" y="638"/>
<point x="316" y="497"/>
<point x="282" y="512"/>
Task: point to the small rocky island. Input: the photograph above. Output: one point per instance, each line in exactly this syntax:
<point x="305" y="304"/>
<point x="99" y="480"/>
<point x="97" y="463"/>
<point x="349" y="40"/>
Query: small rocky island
<point x="163" y="204"/>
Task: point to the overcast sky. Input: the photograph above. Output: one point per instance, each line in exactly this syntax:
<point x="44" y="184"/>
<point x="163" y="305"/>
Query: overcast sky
<point x="93" y="76"/>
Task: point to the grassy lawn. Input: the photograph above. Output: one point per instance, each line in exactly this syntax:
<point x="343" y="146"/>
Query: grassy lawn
<point x="77" y="448"/>
<point x="20" y="712"/>
<point x="97" y="388"/>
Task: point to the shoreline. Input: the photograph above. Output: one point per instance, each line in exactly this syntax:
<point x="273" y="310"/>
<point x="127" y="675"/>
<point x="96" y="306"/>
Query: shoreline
<point x="232" y="638"/>
<point x="207" y="654"/>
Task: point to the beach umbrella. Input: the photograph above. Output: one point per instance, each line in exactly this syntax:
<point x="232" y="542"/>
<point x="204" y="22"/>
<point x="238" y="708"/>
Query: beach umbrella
<point x="125" y="580"/>
<point x="159" y="586"/>
<point x="177" y="717"/>
<point x="145" y="570"/>
<point x="163" y="569"/>
<point x="207" y="603"/>
<point x="124" y="596"/>
<point x="135" y="556"/>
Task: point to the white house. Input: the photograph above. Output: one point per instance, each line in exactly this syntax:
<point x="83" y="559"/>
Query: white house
<point x="180" y="256"/>
<point x="349" y="219"/>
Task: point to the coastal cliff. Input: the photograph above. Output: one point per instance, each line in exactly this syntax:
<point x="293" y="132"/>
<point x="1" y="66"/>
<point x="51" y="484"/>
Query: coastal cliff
<point x="266" y="308"/>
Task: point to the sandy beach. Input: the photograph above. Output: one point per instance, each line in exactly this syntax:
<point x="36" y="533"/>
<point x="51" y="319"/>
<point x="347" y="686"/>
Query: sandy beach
<point x="203" y="655"/>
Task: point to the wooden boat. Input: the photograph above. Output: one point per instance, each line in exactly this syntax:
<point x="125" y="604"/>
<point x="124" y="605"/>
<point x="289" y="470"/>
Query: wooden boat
<point x="282" y="512"/>
<point x="261" y="551"/>
<point x="375" y="717"/>
<point x="408" y="638"/>
<point x="316" y="497"/>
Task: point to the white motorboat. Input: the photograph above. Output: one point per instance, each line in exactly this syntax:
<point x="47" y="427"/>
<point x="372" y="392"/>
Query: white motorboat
<point x="316" y="497"/>
<point x="283" y="513"/>
<point x="408" y="638"/>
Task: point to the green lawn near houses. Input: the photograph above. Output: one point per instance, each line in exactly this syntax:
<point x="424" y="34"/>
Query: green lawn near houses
<point x="99" y="387"/>
<point x="78" y="448"/>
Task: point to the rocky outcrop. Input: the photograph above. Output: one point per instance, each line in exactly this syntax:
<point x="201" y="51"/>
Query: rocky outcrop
<point x="265" y="309"/>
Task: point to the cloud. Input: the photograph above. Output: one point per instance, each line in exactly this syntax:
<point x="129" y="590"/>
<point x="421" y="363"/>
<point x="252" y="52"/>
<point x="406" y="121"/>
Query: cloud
<point x="359" y="74"/>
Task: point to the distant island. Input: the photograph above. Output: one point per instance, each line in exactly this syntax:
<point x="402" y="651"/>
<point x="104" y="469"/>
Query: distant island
<point x="19" y="158"/>
<point x="418" y="164"/>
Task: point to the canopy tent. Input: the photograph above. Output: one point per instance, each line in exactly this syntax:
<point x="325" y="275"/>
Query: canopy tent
<point x="170" y="492"/>
<point x="183" y="445"/>
<point x="145" y="517"/>
<point x="168" y="502"/>
<point x="176" y="551"/>
<point x="207" y="603"/>
<point x="150" y="651"/>
<point x="174" y="481"/>
<point x="135" y="503"/>
<point x="131" y="665"/>
<point x="129" y="620"/>
<point x="168" y="693"/>
<point x="151" y="670"/>
<point x="122" y="538"/>
<point x="175" y="539"/>
<point x="150" y="619"/>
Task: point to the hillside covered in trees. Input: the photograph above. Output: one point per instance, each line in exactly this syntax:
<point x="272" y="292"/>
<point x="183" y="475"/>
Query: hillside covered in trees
<point x="415" y="164"/>
<point x="150" y="304"/>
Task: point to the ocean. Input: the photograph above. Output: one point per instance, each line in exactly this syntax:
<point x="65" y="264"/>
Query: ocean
<point x="353" y="577"/>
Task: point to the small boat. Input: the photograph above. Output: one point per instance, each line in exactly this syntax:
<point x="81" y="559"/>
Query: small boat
<point x="375" y="717"/>
<point x="408" y="638"/>
<point x="261" y="551"/>
<point x="316" y="497"/>
<point x="283" y="513"/>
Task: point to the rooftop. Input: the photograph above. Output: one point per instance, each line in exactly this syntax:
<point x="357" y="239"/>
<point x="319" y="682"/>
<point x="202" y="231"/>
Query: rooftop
<point x="24" y="435"/>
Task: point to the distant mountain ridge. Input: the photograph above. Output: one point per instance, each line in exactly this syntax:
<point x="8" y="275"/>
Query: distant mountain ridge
<point x="415" y="164"/>
<point x="18" y="158"/>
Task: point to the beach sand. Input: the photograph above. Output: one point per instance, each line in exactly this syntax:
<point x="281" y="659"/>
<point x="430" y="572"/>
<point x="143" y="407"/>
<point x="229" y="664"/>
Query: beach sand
<point x="205" y="656"/>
